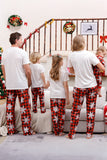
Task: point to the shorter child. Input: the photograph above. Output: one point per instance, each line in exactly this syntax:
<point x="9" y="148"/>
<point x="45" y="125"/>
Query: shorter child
<point x="101" y="52"/>
<point x="59" y="93"/>
<point x="38" y="81"/>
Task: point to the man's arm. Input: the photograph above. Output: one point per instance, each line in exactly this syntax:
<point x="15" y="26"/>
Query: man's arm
<point x="28" y="73"/>
<point x="3" y="70"/>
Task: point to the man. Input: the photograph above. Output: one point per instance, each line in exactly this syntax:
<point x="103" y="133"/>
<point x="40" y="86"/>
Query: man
<point x="17" y="74"/>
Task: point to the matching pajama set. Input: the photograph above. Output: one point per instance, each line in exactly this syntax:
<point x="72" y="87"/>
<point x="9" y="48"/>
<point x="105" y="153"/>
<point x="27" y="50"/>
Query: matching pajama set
<point x="13" y="60"/>
<point x="85" y="86"/>
<point x="57" y="101"/>
<point x="97" y="73"/>
<point x="37" y="86"/>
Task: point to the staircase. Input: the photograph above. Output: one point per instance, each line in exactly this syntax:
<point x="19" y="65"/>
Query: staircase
<point x="50" y="37"/>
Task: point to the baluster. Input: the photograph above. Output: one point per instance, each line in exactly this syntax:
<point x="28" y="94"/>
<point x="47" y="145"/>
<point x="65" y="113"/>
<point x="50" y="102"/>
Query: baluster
<point x="50" y="39"/>
<point x="55" y="35"/>
<point x="61" y="36"/>
<point x="98" y="33"/>
<point x="39" y="41"/>
<point x="34" y="42"/>
<point x="44" y="39"/>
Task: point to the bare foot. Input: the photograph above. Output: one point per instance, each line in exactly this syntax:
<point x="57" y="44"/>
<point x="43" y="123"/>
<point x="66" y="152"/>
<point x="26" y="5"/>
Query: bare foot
<point x="89" y="137"/>
<point x="33" y="133"/>
<point x="61" y="134"/>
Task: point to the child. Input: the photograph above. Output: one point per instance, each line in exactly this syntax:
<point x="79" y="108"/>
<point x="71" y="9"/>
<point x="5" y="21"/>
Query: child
<point x="101" y="52"/>
<point x="59" y="93"/>
<point x="38" y="81"/>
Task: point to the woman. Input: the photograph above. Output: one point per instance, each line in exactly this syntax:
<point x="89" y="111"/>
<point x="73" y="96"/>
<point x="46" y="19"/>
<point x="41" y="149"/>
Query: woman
<point x="81" y="61"/>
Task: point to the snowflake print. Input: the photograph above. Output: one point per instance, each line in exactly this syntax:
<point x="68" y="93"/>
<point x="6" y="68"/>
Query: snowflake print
<point x="10" y="96"/>
<point x="55" y="109"/>
<point x="9" y="116"/>
<point x="55" y="119"/>
<point x="9" y="106"/>
<point x="11" y="126"/>
<point x="91" y="105"/>
<point x="26" y="120"/>
<point x="23" y="110"/>
<point x="89" y="125"/>
<point x="90" y="115"/>
<point x="26" y="129"/>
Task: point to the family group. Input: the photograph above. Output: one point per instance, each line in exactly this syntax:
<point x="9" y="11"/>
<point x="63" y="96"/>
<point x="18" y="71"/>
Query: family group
<point x="21" y="72"/>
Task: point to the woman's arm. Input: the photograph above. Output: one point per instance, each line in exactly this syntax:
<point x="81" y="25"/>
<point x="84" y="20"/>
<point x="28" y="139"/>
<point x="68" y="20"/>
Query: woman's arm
<point x="101" y="67"/>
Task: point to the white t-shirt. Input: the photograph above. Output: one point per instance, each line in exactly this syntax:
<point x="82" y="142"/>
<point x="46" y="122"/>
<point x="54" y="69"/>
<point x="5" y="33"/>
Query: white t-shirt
<point x="57" y="87"/>
<point x="36" y="70"/>
<point x="82" y="62"/>
<point x="13" y="60"/>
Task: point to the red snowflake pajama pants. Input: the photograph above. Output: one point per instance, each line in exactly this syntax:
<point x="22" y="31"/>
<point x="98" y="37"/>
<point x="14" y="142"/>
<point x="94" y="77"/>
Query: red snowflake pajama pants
<point x="78" y="95"/>
<point x="58" y="114"/>
<point x="25" y="110"/>
<point x="35" y="93"/>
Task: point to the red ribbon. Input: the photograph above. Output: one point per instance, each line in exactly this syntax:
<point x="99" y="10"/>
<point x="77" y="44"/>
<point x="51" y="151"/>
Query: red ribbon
<point x="25" y="23"/>
<point x="103" y="38"/>
<point x="8" y="26"/>
<point x="30" y="35"/>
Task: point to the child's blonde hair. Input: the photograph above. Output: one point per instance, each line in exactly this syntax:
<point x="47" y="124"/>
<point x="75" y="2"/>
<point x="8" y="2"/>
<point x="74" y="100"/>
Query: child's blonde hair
<point x="55" y="70"/>
<point x="78" y="43"/>
<point x="101" y="49"/>
<point x="34" y="57"/>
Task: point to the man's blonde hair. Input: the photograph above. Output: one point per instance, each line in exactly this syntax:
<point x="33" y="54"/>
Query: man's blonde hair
<point x="34" y="57"/>
<point x="78" y="43"/>
<point x="101" y="49"/>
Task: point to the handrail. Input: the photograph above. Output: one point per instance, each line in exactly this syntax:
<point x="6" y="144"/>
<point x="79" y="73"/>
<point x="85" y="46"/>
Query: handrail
<point x="36" y="30"/>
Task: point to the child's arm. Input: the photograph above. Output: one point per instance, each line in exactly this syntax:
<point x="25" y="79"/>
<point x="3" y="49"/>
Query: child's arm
<point x="3" y="70"/>
<point x="66" y="91"/>
<point x="43" y="79"/>
<point x="47" y="85"/>
<point x="71" y="69"/>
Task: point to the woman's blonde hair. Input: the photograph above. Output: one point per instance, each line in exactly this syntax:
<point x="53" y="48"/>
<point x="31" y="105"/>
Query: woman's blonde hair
<point x="78" y="43"/>
<point x="34" y="57"/>
<point x="100" y="49"/>
<point x="55" y="70"/>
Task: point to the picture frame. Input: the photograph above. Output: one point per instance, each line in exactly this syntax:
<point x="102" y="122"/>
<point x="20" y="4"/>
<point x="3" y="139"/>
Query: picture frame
<point x="89" y="28"/>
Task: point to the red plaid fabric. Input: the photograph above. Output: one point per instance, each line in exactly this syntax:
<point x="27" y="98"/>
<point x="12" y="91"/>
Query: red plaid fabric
<point x="97" y="73"/>
<point x="25" y="110"/>
<point x="58" y="114"/>
<point x="78" y="95"/>
<point x="35" y="93"/>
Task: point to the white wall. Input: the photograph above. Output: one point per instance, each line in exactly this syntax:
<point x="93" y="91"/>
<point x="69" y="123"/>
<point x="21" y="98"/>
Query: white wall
<point x="36" y="12"/>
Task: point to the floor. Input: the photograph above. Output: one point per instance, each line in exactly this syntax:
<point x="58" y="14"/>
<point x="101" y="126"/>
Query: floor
<point x="50" y="147"/>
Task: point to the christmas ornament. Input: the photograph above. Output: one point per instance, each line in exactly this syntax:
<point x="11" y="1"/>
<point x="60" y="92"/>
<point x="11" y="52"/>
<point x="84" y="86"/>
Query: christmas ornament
<point x="15" y="20"/>
<point x="69" y="27"/>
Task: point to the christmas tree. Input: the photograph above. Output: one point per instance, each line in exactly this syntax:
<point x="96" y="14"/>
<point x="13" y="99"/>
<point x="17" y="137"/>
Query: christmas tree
<point x="2" y="82"/>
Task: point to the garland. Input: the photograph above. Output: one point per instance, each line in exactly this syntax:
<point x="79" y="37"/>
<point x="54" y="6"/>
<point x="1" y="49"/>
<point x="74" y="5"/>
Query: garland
<point x="15" y="20"/>
<point x="69" y="27"/>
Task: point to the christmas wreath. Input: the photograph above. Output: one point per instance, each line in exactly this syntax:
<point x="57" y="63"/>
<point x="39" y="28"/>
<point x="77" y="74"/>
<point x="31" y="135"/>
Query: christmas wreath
<point x="69" y="27"/>
<point x="15" y="20"/>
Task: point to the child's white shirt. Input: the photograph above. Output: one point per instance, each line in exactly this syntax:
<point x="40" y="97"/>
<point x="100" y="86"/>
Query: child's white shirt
<point x="36" y="70"/>
<point x="57" y="87"/>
